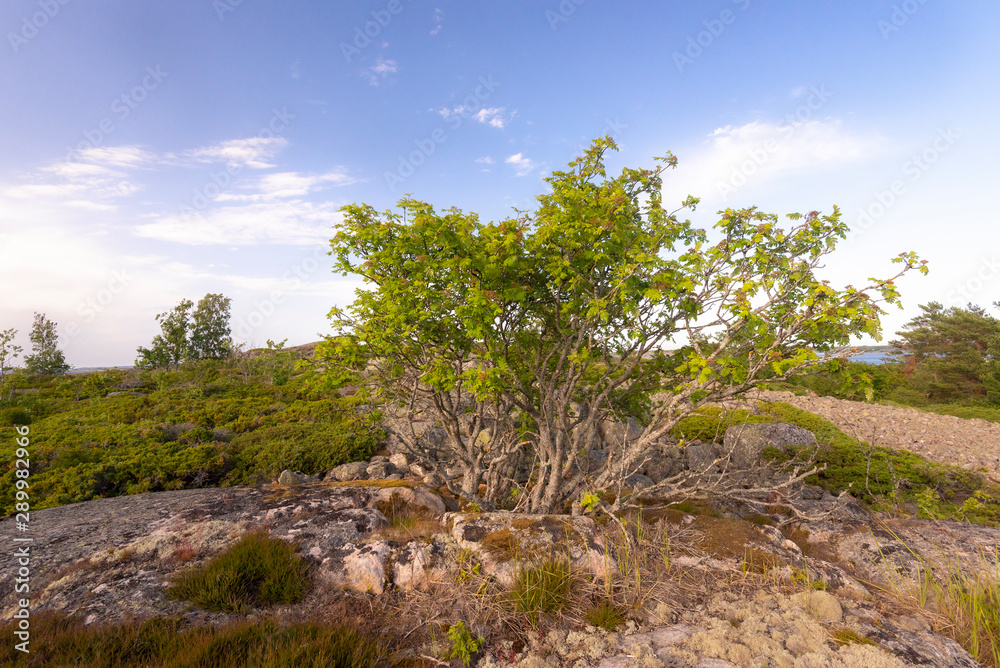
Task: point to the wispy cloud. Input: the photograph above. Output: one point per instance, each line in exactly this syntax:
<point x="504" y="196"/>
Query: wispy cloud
<point x="94" y="177"/>
<point x="253" y="152"/>
<point x="486" y="160"/>
<point x="289" y="184"/>
<point x="496" y="117"/>
<point x="292" y="222"/>
<point x="760" y="152"/>
<point x="438" y="16"/>
<point x="380" y="70"/>
<point x="521" y="164"/>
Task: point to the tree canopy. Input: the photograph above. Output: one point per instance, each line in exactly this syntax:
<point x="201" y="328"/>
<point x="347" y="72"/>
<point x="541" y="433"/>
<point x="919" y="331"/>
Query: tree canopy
<point x="521" y="338"/>
<point x="46" y="358"/>
<point x="953" y="354"/>
<point x="186" y="335"/>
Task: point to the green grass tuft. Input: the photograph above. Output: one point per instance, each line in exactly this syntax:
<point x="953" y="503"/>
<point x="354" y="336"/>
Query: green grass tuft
<point x="543" y="588"/>
<point x="605" y="615"/>
<point x="256" y="571"/>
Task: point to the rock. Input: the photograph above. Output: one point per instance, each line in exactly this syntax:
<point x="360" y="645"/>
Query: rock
<point x="400" y="461"/>
<point x="130" y="394"/>
<point x="419" y="496"/>
<point x="638" y="481"/>
<point x="616" y="433"/>
<point x="597" y="459"/>
<point x="361" y="568"/>
<point x="380" y="470"/>
<point x="484" y="437"/>
<point x="823" y="606"/>
<point x="747" y="441"/>
<point x="700" y="456"/>
<point x="419" y="566"/>
<point x="433" y="480"/>
<point x="294" y="478"/>
<point x="506" y="541"/>
<point x="350" y="471"/>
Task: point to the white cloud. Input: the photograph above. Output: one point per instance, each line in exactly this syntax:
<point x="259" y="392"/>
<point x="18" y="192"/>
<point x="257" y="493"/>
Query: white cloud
<point x="486" y="160"/>
<point x="87" y="179"/>
<point x="522" y="165"/>
<point x="492" y="117"/>
<point x="289" y="184"/>
<point x="495" y="117"/>
<point x="253" y="152"/>
<point x="760" y="152"/>
<point x="120" y="156"/>
<point x="380" y="70"/>
<point x="292" y="222"/>
<point x="438" y="16"/>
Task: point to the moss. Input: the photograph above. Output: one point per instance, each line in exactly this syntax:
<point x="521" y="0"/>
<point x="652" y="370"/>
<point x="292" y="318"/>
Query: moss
<point x="501" y="545"/>
<point x="760" y="561"/>
<point x="845" y="636"/>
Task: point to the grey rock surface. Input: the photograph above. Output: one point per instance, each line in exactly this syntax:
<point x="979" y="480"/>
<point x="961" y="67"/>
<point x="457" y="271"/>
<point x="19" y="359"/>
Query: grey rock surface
<point x="747" y="441"/>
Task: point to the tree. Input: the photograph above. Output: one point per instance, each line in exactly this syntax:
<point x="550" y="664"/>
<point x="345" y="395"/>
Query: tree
<point x="46" y="358"/>
<point x="171" y="346"/>
<point x="210" y="332"/>
<point x="190" y="335"/>
<point x="951" y="353"/>
<point x="8" y="353"/>
<point x="519" y="339"/>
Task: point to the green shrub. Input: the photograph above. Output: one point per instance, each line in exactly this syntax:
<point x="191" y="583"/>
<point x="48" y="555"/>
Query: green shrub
<point x="256" y="571"/>
<point x="308" y="447"/>
<point x="463" y="645"/>
<point x="15" y="415"/>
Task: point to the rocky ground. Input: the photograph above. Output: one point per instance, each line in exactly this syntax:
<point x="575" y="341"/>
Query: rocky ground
<point x="972" y="444"/>
<point x="717" y="591"/>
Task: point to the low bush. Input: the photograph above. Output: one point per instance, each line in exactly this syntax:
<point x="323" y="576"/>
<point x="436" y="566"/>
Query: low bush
<point x="85" y="446"/>
<point x="57" y="640"/>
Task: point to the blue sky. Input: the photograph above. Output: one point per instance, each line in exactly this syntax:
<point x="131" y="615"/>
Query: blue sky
<point x="151" y="151"/>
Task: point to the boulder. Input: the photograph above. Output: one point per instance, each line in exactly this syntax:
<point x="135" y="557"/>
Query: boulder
<point x="747" y="441"/>
<point x="350" y="471"/>
<point x="400" y="461"/>
<point x="418" y="496"/>
<point x="360" y="568"/>
<point x="638" y="481"/>
<point x="419" y="565"/>
<point x="294" y="478"/>
<point x="700" y="456"/>
<point x="380" y="470"/>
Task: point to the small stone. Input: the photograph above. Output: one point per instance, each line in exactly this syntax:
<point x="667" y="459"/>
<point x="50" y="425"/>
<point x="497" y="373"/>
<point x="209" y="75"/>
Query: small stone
<point x="400" y="461"/>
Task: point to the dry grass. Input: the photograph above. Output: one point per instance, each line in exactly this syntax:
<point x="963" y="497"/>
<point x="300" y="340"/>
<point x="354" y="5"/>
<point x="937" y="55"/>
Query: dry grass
<point x="406" y="521"/>
<point x="962" y="606"/>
